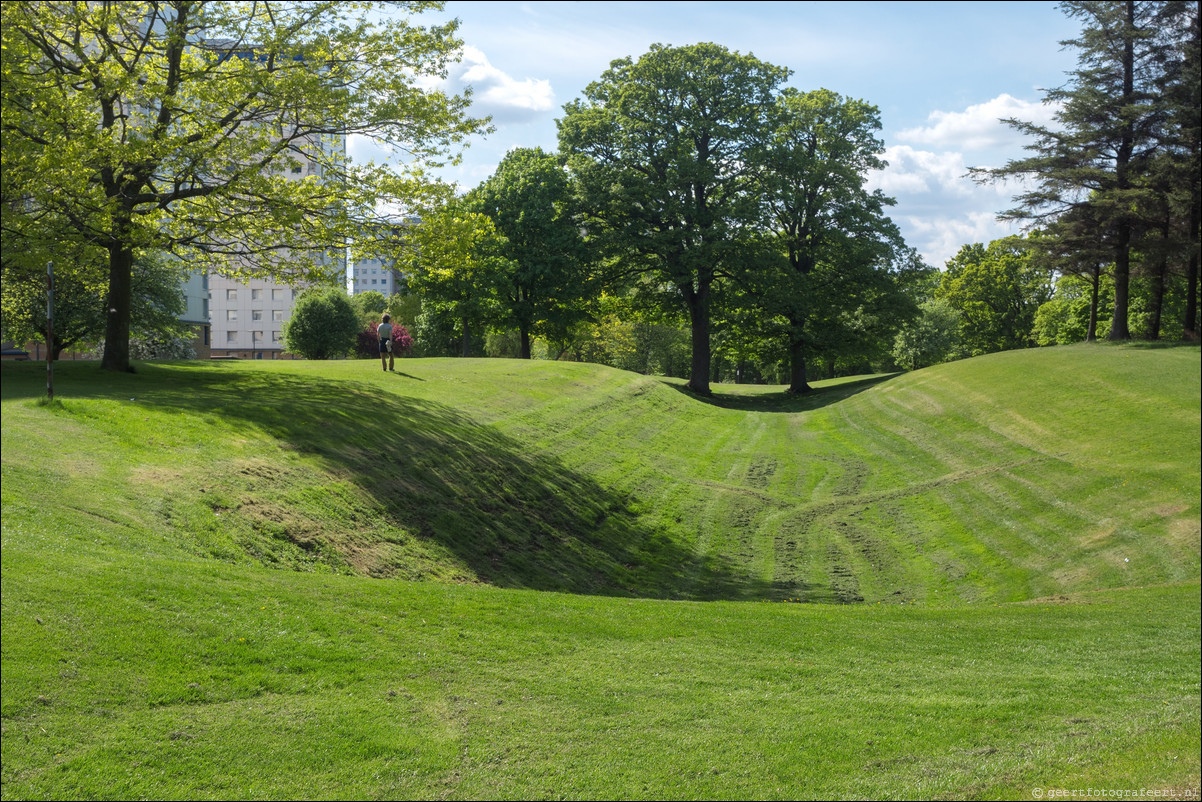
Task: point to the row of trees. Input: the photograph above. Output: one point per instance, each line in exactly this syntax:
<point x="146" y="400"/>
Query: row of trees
<point x="1114" y="181"/>
<point x="703" y="189"/>
<point x="690" y="187"/>
<point x="688" y="182"/>
<point x="156" y="303"/>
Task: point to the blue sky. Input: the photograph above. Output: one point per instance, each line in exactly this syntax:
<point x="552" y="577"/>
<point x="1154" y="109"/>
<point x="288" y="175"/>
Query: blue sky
<point x="941" y="73"/>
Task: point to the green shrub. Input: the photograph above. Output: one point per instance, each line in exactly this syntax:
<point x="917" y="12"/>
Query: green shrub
<point x="324" y="324"/>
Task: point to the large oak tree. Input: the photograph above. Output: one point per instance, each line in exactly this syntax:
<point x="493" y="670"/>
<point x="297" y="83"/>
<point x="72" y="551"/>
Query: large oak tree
<point x="831" y="230"/>
<point x="664" y="148"/>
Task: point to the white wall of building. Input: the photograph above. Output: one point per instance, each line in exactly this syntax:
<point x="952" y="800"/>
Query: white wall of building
<point x="248" y="316"/>
<point x="373" y="274"/>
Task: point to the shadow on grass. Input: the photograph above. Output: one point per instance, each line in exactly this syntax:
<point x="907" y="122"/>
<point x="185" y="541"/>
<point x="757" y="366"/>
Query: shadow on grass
<point x="782" y="401"/>
<point x="516" y="520"/>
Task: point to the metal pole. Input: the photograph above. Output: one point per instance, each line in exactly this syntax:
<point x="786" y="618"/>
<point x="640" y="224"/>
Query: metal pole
<point x="50" y="331"/>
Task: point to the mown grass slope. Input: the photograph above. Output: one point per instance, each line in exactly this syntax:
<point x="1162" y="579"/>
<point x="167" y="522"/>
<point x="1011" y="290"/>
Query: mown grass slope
<point x="152" y="647"/>
<point x="1005" y="478"/>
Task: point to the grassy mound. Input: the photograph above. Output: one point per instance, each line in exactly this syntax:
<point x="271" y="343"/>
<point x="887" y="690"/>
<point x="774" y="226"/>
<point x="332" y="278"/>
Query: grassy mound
<point x="1005" y="478"/>
<point x="152" y="648"/>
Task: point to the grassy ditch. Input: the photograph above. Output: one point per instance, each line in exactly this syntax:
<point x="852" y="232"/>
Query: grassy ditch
<point x="493" y="579"/>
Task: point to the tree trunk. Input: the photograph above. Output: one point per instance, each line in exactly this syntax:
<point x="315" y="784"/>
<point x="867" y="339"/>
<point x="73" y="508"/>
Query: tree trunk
<point x="116" y="331"/>
<point x="467" y="339"/>
<point x="524" y="333"/>
<point x="1158" y="281"/>
<point x="1091" y="333"/>
<point x="1122" y="259"/>
<point x="797" y="362"/>
<point x="699" y="319"/>
<point x="1190" y="329"/>
<point x="1122" y="284"/>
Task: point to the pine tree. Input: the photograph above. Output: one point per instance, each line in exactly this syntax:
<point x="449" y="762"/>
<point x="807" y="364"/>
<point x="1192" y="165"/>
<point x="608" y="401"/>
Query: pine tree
<point x="1108" y="129"/>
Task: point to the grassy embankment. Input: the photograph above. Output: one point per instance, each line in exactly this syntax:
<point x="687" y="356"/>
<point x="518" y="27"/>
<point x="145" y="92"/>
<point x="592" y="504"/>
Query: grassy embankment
<point x="147" y="650"/>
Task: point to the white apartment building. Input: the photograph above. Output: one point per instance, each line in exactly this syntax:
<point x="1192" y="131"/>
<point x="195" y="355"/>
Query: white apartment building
<point x="380" y="273"/>
<point x="247" y="316"/>
<point x="374" y="274"/>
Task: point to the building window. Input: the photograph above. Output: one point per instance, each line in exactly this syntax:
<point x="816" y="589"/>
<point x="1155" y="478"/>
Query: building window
<point x="231" y="314"/>
<point x="295" y="293"/>
<point x="277" y="314"/>
<point x="256" y="295"/>
<point x="256" y="314"/>
<point x="277" y="295"/>
<point x="231" y="336"/>
<point x="275" y="336"/>
<point x="231" y="295"/>
<point x="256" y="337"/>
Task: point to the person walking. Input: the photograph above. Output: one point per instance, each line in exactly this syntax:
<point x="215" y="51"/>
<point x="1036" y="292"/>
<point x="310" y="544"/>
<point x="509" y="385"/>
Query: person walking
<point x="384" y="333"/>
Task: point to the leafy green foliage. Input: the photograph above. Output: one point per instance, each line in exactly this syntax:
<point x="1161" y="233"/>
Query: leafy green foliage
<point x="161" y="346"/>
<point x="529" y="199"/>
<point x="323" y="324"/>
<point x="404" y="307"/>
<point x="836" y="241"/>
<point x="80" y="295"/>
<point x="213" y="130"/>
<point x="370" y="304"/>
<point x="455" y="260"/>
<point x="664" y="150"/>
<point x="932" y="337"/>
<point x="996" y="291"/>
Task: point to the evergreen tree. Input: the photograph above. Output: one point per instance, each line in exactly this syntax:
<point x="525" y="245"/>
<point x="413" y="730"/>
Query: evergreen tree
<point x="1110" y="124"/>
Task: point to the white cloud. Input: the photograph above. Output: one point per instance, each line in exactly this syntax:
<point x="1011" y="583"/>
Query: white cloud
<point x="495" y="93"/>
<point x="939" y="236"/>
<point x="979" y="127"/>
<point x="939" y="208"/>
<point x="921" y="171"/>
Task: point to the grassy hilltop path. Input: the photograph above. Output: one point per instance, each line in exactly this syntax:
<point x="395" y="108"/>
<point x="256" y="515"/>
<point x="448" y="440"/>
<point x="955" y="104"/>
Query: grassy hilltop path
<point x="1009" y="546"/>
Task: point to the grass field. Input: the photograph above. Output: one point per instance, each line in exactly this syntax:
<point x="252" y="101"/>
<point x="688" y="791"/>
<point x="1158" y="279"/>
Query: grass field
<point x="502" y="579"/>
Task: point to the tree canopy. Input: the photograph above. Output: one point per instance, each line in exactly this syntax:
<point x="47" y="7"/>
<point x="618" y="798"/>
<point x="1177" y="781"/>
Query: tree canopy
<point x="1130" y="105"/>
<point x="832" y="232"/>
<point x="323" y="325"/>
<point x="157" y="301"/>
<point x="214" y="130"/>
<point x="454" y="258"/>
<point x="665" y="151"/>
<point x="996" y="289"/>
<point x="530" y="201"/>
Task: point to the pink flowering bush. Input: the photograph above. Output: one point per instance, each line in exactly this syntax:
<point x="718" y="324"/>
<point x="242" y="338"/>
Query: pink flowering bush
<point x="369" y="342"/>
